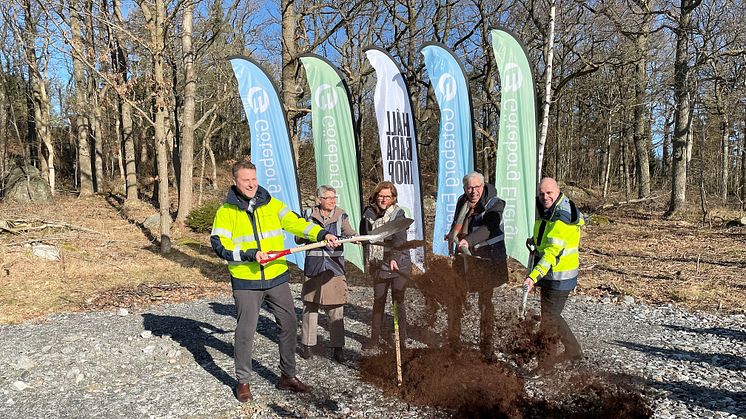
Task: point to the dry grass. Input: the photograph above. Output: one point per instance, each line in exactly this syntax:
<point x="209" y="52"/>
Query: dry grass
<point x="99" y="269"/>
<point x="636" y="253"/>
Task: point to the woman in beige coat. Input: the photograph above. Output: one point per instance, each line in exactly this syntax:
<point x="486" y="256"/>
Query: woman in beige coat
<point x="325" y="285"/>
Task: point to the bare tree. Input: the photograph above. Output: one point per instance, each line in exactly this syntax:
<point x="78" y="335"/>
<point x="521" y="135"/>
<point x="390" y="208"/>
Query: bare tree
<point x="82" y="123"/>
<point x="119" y="66"/>
<point x="186" y="142"/>
<point x="682" y="118"/>
<point x="155" y="23"/>
<point x="38" y="100"/>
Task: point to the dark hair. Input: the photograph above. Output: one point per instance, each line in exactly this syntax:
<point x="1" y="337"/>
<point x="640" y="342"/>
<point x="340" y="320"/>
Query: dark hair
<point x="381" y="186"/>
<point x="242" y="164"/>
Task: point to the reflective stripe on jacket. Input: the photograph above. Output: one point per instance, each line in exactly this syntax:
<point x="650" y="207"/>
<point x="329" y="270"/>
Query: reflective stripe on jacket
<point x="241" y="228"/>
<point x="557" y="238"/>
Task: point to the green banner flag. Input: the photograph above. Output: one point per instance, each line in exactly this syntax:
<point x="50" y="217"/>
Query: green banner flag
<point x="515" y="171"/>
<point x="334" y="141"/>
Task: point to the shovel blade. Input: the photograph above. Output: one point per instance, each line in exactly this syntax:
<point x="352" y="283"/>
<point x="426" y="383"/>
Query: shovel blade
<point x="392" y="227"/>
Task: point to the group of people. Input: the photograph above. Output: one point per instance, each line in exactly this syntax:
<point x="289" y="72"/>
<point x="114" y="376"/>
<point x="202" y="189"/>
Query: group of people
<point x="250" y="223"/>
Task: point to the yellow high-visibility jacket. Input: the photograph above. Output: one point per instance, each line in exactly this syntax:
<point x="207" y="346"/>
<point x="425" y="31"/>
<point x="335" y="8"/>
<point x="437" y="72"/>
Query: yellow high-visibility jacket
<point x="557" y="239"/>
<point x="243" y="227"/>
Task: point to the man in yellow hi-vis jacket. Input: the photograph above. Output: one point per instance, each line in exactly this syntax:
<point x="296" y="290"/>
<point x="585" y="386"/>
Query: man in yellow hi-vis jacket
<point x="246" y="227"/>
<point x="557" y="239"/>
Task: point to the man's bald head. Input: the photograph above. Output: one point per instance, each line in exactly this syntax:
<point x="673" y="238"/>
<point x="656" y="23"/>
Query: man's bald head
<point x="548" y="192"/>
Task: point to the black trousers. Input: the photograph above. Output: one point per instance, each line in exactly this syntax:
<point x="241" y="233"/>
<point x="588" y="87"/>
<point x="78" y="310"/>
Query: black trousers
<point x="398" y="285"/>
<point x="481" y="276"/>
<point x="552" y="304"/>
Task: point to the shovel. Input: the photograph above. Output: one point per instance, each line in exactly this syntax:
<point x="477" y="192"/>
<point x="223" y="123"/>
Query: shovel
<point x="531" y="254"/>
<point x="522" y="310"/>
<point x="397" y="343"/>
<point x="375" y="235"/>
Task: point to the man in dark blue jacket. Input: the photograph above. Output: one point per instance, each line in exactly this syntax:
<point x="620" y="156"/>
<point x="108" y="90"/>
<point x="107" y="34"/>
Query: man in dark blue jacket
<point x="477" y="231"/>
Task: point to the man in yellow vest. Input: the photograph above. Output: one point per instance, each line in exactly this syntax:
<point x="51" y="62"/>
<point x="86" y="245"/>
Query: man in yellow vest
<point x="557" y="239"/>
<point x="246" y="227"/>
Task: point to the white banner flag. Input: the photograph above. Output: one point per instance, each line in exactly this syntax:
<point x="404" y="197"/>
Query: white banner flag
<point x="398" y="140"/>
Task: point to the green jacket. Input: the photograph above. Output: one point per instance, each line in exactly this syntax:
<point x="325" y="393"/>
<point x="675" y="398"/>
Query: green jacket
<point x="557" y="239"/>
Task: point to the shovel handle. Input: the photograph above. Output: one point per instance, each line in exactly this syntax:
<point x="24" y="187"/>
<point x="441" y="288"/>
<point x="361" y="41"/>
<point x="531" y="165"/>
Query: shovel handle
<point x="397" y="344"/>
<point x="524" y="299"/>
<point x="274" y="255"/>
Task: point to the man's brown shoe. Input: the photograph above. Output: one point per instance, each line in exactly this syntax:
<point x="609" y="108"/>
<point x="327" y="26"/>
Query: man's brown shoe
<point x="243" y="393"/>
<point x="292" y="384"/>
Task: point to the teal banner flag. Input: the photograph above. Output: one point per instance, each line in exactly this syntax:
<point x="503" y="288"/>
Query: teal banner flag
<point x="515" y="171"/>
<point x="335" y="144"/>
<point x="271" y="151"/>
<point x="455" y="141"/>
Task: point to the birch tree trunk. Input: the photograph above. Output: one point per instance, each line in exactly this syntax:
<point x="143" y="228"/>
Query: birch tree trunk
<point x="607" y="158"/>
<point x="549" y="54"/>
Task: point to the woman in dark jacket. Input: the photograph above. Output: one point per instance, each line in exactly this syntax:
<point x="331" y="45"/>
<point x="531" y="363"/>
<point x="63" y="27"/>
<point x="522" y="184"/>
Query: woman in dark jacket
<point x="388" y="265"/>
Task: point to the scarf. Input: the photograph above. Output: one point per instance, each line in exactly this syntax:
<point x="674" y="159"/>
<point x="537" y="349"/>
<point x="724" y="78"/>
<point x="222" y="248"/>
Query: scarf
<point x="375" y="251"/>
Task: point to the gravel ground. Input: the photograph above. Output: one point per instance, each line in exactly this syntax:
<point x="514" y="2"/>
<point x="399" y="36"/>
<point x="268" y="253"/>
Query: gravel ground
<point x="176" y="361"/>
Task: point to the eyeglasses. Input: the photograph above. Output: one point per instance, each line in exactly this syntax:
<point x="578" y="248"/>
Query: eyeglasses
<point x="327" y="197"/>
<point x="384" y="197"/>
<point x="474" y="188"/>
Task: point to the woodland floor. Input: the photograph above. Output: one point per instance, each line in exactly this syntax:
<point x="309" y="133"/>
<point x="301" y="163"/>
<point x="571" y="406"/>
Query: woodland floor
<point x="108" y="259"/>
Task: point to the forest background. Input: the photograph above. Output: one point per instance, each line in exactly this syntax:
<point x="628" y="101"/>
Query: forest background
<point x="640" y="101"/>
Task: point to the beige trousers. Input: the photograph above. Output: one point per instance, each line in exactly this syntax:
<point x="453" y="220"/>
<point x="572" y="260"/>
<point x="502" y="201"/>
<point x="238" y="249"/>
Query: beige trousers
<point x="311" y="322"/>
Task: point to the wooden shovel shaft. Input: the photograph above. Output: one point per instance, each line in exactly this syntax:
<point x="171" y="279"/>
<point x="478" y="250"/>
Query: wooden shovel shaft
<point x="276" y="254"/>
<point x="380" y="233"/>
<point x="397" y="345"/>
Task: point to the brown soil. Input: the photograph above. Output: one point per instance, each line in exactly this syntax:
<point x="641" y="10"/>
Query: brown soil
<point x="460" y="382"/>
<point x="463" y="382"/>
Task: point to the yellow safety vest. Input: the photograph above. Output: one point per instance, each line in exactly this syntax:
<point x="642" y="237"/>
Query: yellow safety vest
<point x="261" y="229"/>
<point x="557" y="242"/>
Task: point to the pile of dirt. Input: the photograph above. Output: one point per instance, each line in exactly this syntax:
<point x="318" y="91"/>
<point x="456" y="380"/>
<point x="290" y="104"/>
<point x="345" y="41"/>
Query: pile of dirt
<point x="465" y="385"/>
<point x="465" y="382"/>
<point x="461" y="382"/>
<point x="590" y="395"/>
